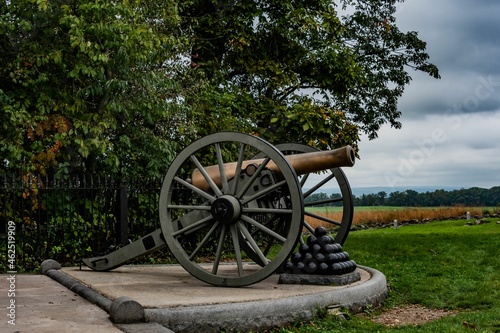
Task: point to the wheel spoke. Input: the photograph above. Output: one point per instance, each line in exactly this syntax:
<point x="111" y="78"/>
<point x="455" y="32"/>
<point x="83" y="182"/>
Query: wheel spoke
<point x="263" y="228"/>
<point x="303" y="180"/>
<point x="193" y="227"/>
<point x="267" y="210"/>
<point x="262" y="193"/>
<point x="204" y="240"/>
<point x="207" y="177"/>
<point x="253" y="177"/>
<point x="195" y="189"/>
<point x="309" y="228"/>
<point x="238" y="168"/>
<point x="188" y="207"/>
<point x="252" y="242"/>
<point x="237" y="249"/>
<point x="220" y="161"/>
<point x="220" y="248"/>
<point x="321" y="183"/>
<point x="322" y="202"/>
<point x="268" y="222"/>
<point x="322" y="218"/>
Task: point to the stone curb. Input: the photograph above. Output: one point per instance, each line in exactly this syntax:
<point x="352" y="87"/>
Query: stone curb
<point x="246" y="316"/>
<point x="49" y="268"/>
<point x="124" y="310"/>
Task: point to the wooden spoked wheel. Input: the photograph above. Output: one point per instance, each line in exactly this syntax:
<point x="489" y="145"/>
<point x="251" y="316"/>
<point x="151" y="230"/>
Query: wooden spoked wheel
<point x="216" y="206"/>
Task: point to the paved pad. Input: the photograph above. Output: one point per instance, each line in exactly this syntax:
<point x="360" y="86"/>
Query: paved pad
<point x="170" y="286"/>
<point x="171" y="297"/>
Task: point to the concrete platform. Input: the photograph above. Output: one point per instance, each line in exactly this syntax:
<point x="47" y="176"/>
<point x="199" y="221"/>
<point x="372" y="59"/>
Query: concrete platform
<point x="169" y="296"/>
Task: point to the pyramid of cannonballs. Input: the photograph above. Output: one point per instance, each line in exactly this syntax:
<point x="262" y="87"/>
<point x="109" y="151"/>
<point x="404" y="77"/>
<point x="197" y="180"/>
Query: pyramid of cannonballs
<point x="320" y="255"/>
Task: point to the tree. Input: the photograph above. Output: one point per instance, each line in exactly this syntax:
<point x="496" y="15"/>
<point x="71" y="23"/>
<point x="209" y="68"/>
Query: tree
<point x="381" y="198"/>
<point x="272" y="56"/>
<point x="94" y="86"/>
<point x="121" y="86"/>
<point x="385" y="54"/>
<point x="302" y="73"/>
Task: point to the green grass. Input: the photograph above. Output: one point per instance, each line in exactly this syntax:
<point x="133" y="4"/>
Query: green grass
<point x="445" y="265"/>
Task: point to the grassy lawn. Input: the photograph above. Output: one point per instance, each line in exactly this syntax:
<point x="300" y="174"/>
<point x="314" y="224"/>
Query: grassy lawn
<point x="439" y="265"/>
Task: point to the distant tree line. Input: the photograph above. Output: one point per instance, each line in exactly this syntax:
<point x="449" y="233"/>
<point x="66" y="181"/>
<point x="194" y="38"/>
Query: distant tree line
<point x="474" y="196"/>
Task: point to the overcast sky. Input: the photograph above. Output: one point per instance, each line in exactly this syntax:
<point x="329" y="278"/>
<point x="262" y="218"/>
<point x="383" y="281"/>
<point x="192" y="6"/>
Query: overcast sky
<point x="451" y="127"/>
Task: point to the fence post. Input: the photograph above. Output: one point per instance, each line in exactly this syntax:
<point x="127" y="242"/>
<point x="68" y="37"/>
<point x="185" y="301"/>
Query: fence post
<point x="122" y="227"/>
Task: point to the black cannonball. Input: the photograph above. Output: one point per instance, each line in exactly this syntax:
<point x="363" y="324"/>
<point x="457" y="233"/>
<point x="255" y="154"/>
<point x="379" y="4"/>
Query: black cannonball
<point x="323" y="268"/>
<point x="320" y="231"/>
<point x="311" y="240"/>
<point x="300" y="267"/>
<point x="338" y="247"/>
<point x="343" y="256"/>
<point x="331" y="248"/>
<point x="310" y="267"/>
<point x="316" y="248"/>
<point x="289" y="267"/>
<point x="304" y="248"/>
<point x="336" y="269"/>
<point x="320" y="257"/>
<point x="351" y="266"/>
<point x="344" y="267"/>
<point x="307" y="256"/>
<point x="296" y="257"/>
<point x="324" y="240"/>
<point x="332" y="258"/>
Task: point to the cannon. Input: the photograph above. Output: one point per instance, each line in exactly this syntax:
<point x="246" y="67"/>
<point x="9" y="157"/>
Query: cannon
<point x="232" y="207"/>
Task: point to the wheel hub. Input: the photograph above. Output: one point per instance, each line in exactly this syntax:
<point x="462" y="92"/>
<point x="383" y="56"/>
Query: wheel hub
<point x="226" y="209"/>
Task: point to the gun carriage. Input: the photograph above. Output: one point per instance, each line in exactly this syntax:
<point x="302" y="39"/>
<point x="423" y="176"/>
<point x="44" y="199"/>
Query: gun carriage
<point x="232" y="207"/>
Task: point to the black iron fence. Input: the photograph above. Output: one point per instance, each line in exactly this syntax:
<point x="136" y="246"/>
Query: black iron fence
<point x="72" y="217"/>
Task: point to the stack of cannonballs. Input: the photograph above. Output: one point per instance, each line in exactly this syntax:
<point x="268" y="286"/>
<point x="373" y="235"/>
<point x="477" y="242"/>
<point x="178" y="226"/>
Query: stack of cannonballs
<point x="320" y="255"/>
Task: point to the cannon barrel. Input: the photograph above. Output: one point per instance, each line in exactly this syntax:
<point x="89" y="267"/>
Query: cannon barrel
<point x="302" y="164"/>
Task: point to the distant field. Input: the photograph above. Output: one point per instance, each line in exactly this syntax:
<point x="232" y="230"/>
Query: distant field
<point x="387" y="214"/>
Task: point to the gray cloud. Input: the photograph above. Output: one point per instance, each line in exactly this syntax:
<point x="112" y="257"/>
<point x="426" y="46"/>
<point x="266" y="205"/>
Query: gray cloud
<point x="433" y="151"/>
<point x="463" y="41"/>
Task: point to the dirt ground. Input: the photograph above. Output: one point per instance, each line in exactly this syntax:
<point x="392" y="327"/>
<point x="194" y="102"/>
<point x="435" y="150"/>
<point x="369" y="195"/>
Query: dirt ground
<point x="410" y="315"/>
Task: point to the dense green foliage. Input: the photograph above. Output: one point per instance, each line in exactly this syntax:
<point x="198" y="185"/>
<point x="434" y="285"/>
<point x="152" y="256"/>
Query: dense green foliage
<point x="79" y="86"/>
<point x="95" y="86"/>
<point x="444" y="265"/>
<point x="119" y="87"/>
<point x="304" y="72"/>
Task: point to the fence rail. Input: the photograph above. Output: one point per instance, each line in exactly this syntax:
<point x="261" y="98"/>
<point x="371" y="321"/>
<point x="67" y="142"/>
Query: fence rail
<point x="72" y="217"/>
